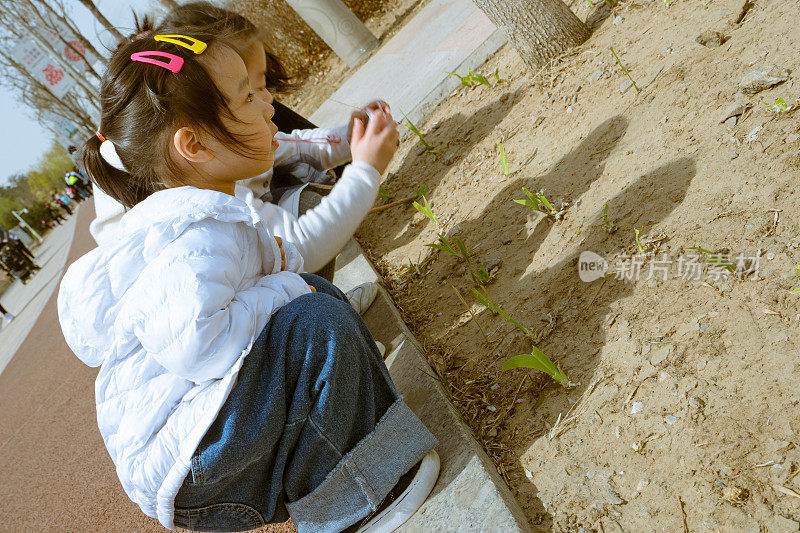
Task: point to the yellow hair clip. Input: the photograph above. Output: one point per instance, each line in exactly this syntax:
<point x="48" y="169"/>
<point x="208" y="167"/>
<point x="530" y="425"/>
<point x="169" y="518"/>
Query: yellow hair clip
<point x="195" y="45"/>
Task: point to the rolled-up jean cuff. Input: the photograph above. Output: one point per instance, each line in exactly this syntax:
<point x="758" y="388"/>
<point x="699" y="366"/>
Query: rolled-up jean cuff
<point x="360" y="481"/>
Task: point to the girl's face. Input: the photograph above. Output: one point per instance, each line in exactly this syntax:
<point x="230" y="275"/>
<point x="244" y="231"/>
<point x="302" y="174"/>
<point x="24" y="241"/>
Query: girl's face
<point x="255" y="60"/>
<point x="254" y="123"/>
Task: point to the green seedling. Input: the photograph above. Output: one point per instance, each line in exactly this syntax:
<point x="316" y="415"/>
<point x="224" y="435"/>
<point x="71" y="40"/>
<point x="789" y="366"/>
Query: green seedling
<point x="483" y="297"/>
<point x="422" y="190"/>
<point x="497" y="79"/>
<point x="606" y="223"/>
<point x="538" y="360"/>
<point x="780" y="106"/>
<point x="619" y="62"/>
<point x="483" y="276"/>
<point x="539" y="202"/>
<point x="409" y="270"/>
<point x="474" y="78"/>
<point x="410" y="125"/>
<point x="795" y="291"/>
<point x="412" y="268"/>
<point x="716" y="259"/>
<point x="453" y="246"/>
<point x="425" y="209"/>
<point x="503" y="158"/>
<point x="639" y="243"/>
<point x="446" y="246"/>
<point x="480" y="78"/>
<point x="383" y="193"/>
<point x="466" y="81"/>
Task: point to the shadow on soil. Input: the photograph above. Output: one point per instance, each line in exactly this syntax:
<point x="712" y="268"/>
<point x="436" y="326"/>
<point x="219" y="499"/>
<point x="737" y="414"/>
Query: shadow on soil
<point x="575" y="343"/>
<point x="454" y="138"/>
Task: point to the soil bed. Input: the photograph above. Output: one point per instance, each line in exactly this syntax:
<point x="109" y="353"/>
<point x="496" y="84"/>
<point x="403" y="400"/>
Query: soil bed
<point x="685" y="408"/>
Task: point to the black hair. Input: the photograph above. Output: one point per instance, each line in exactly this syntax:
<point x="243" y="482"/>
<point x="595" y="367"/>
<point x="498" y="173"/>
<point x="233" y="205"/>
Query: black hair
<point x="242" y="33"/>
<point x="142" y="105"/>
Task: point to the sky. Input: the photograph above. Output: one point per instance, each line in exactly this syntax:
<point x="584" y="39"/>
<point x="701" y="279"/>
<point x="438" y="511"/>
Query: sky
<point x="22" y="139"/>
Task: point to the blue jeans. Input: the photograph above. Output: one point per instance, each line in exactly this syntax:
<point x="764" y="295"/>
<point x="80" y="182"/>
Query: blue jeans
<point x="313" y="428"/>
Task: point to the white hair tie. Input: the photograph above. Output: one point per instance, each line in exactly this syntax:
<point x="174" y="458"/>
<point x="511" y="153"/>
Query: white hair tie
<point x="109" y="153"/>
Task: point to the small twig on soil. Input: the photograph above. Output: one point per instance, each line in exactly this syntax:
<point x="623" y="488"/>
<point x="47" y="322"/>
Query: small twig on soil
<point x="393" y="204"/>
<point x="707" y="284"/>
<point x="786" y="490"/>
<point x="514" y="401"/>
<point x="633" y="392"/>
<point x="600" y="288"/>
<point x="683" y="512"/>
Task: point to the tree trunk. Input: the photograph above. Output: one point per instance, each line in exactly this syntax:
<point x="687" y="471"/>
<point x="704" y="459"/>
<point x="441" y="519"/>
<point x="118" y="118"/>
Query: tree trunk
<point x="539" y="29"/>
<point x="89" y="4"/>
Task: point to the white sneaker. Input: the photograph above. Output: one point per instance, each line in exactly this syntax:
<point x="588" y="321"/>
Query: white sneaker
<point x="393" y="513"/>
<point x="10" y="317"/>
<point x="362" y="296"/>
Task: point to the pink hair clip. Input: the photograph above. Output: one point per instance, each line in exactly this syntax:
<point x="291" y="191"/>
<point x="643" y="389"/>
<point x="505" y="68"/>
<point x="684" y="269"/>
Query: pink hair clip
<point x="175" y="62"/>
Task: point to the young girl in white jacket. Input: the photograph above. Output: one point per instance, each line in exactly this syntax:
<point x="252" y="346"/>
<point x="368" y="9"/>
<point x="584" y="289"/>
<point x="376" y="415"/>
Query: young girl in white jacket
<point x="230" y="395"/>
<point x="318" y="227"/>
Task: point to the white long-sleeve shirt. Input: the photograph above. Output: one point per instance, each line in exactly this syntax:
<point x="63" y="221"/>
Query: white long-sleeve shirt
<point x="320" y="233"/>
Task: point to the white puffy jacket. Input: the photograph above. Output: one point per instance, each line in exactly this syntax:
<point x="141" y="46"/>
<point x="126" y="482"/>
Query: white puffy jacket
<point x="170" y="308"/>
<point x="320" y="233"/>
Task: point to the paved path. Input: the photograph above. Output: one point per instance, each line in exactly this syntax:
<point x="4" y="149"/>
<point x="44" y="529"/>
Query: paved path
<point x="56" y="473"/>
<point x="27" y="301"/>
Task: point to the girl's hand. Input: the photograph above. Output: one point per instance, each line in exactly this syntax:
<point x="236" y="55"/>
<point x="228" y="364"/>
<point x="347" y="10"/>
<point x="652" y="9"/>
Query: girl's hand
<point x="364" y="114"/>
<point x="376" y="142"/>
<point x="283" y="254"/>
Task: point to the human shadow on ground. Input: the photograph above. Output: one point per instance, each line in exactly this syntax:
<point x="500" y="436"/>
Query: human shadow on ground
<point x="582" y="308"/>
<point x="453" y="138"/>
<point x="568" y="179"/>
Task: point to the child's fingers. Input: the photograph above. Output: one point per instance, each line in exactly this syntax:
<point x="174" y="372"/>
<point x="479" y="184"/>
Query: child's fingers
<point x="358" y="129"/>
<point x="377" y="105"/>
<point x="377" y="123"/>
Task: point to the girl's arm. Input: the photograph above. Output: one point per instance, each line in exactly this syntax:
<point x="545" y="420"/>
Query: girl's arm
<point x="320" y="233"/>
<point x="188" y="313"/>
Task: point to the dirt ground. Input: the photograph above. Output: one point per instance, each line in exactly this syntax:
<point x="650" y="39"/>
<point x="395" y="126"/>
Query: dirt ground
<point x="683" y="413"/>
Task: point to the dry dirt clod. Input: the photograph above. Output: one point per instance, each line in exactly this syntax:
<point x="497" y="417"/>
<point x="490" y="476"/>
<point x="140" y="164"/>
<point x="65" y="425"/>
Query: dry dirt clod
<point x="763" y="78"/>
<point x="735" y="495"/>
<point x="711" y="39"/>
<point x="734" y="111"/>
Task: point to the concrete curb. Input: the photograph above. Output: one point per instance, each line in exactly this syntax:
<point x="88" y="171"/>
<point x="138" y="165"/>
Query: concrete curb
<point x="470" y="495"/>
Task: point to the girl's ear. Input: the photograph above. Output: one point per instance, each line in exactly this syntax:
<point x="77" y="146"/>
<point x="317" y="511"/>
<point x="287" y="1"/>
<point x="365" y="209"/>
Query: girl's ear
<point x="188" y="144"/>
